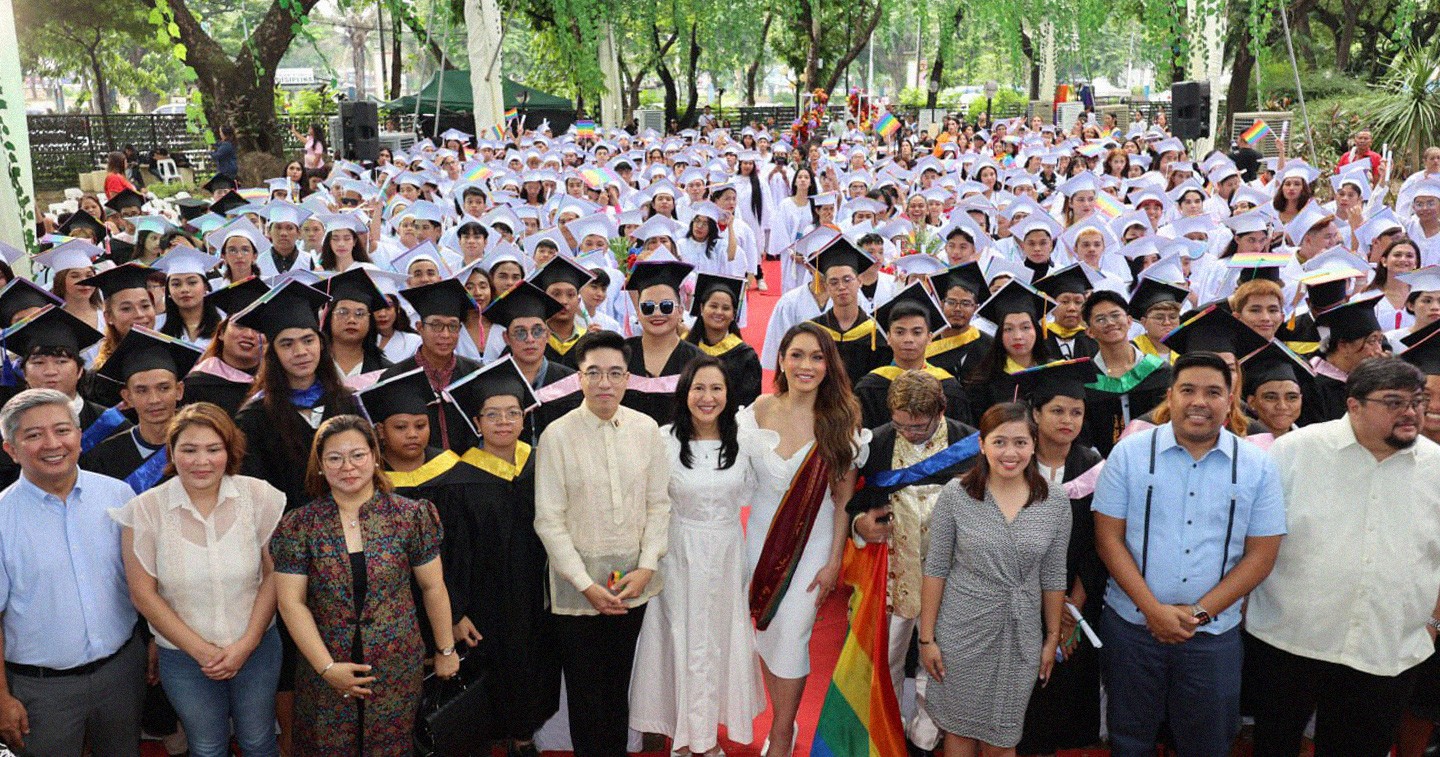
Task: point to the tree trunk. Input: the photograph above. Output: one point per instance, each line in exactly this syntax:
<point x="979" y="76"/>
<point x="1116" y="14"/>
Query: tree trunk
<point x="1346" y="38"/>
<point x="811" y="21"/>
<point x="1241" y="72"/>
<point x="1027" y="48"/>
<point x="396" y="45"/>
<point x="861" y="36"/>
<point x="752" y="71"/>
<point x="667" y="79"/>
<point x="692" y="95"/>
<point x="937" y="70"/>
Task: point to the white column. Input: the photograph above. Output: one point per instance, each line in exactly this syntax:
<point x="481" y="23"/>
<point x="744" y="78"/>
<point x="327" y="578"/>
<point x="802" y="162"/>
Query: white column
<point x="1047" y="60"/>
<point x="482" y="23"/>
<point x="1207" y="49"/>
<point x="17" y="218"/>
<point x="610" y="107"/>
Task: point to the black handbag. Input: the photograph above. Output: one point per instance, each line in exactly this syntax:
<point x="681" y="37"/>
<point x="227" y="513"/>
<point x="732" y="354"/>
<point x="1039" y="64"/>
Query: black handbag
<point x="455" y="717"/>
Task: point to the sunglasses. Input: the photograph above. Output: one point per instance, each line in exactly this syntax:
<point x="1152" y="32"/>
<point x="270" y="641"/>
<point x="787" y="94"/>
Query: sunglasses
<point x="648" y="307"/>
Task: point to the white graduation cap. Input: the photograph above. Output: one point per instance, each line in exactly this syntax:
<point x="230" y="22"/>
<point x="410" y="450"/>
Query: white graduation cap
<point x="962" y="223"/>
<point x="1309" y="217"/>
<point x="424" y="251"/>
<point x="1248" y="222"/>
<point x="184" y="259"/>
<point x="598" y="224"/>
<point x="657" y="226"/>
<point x="240" y="227"/>
<point x="1425" y="279"/>
<point x="279" y="211"/>
<point x="75" y="253"/>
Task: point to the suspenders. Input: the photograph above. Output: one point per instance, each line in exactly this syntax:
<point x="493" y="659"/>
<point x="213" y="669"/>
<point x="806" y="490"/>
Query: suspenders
<point x="1229" y="524"/>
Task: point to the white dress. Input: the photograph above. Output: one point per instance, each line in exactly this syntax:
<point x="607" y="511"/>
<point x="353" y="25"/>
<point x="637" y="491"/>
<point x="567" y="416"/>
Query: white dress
<point x="785" y="644"/>
<point x="695" y="665"/>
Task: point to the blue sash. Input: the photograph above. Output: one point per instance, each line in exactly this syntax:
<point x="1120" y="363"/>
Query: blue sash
<point x="102" y="428"/>
<point x="950" y="456"/>
<point x="149" y="472"/>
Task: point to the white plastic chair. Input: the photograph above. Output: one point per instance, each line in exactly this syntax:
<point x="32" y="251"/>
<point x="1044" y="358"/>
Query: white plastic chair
<point x="166" y="169"/>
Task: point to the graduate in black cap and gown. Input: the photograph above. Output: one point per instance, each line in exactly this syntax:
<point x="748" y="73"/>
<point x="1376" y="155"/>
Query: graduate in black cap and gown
<point x="226" y="371"/>
<point x="442" y="308"/>
<point x="906" y="321"/>
<point x="524" y="313"/>
<point x="1275" y="377"/>
<point x="150" y="368"/>
<point x="562" y="279"/>
<point x="126" y="289"/>
<point x="1353" y="335"/>
<point x="502" y="594"/>
<point x="1065" y="335"/>
<point x="716" y="309"/>
<point x="1131" y="382"/>
<point x="1065" y="713"/>
<point x="349" y="321"/>
<point x="960" y="345"/>
<point x="838" y="267"/>
<point x="1017" y="312"/>
<point x="58" y="339"/>
<point x="658" y="354"/>
<point x="296" y="390"/>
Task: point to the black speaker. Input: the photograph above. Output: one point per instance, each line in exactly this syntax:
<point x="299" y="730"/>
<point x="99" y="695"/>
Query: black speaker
<point x="360" y="127"/>
<point x="1190" y="101"/>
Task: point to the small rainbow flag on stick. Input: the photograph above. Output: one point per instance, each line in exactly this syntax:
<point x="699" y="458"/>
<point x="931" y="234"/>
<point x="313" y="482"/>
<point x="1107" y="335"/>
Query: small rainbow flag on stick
<point x="1108" y="205"/>
<point x="861" y="717"/>
<point x="1257" y="131"/>
<point x="887" y="124"/>
<point x="585" y="128"/>
<point x="511" y="113"/>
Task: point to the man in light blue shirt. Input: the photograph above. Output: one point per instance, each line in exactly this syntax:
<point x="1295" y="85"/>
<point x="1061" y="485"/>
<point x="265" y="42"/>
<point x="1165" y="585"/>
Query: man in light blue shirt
<point x="73" y="664"/>
<point x="1188" y="519"/>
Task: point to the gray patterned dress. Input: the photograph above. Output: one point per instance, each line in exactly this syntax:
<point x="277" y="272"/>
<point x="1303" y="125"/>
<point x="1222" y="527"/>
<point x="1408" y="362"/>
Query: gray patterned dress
<point x="989" y="629"/>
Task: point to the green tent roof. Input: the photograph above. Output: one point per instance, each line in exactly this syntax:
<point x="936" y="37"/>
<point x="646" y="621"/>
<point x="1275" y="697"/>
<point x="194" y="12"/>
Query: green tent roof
<point x="458" y="96"/>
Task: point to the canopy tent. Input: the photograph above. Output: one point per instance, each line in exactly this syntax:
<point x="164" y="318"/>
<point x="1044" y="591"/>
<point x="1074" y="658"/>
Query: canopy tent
<point x="457" y="96"/>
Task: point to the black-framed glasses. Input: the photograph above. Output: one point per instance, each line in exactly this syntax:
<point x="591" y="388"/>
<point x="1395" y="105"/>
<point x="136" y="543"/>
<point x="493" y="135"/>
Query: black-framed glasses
<point x="648" y="307"/>
<point x="538" y="333"/>
<point x="615" y="375"/>
<point x="1397" y="404"/>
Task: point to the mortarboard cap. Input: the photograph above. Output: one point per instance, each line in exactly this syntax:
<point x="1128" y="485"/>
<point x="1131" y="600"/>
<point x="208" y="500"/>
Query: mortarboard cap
<point x="291" y="305"/>
<point x="355" y="285"/>
<point x="219" y="181"/>
<point x="1014" y="297"/>
<point x="236" y="297"/>
<point x="132" y="275"/>
<point x="409" y="393"/>
<point x="1063" y="378"/>
<point x="1273" y="362"/>
<point x="916" y="295"/>
<point x="443" y="298"/>
<point x="559" y="270"/>
<point x="51" y="326"/>
<point x="965" y="275"/>
<point x="1072" y="279"/>
<point x="81" y="219"/>
<point x="525" y="300"/>
<point x="228" y="203"/>
<point x="22" y="294"/>
<point x="919" y="264"/>
<point x="145" y="350"/>
<point x="648" y="273"/>
<point x="707" y="284"/>
<point x="497" y="379"/>
<point x="1422" y="350"/>
<point x="840" y="252"/>
<point x="125" y="198"/>
<point x="76" y="253"/>
<point x="192" y="208"/>
<point x="184" y="259"/>
<point x="1150" y="292"/>
<point x="1214" y="329"/>
<point x="1351" y="320"/>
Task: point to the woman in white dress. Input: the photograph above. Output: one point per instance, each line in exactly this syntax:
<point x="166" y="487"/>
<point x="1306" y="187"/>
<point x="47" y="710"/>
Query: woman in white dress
<point x="695" y="665"/>
<point x="797" y="529"/>
<point x="793" y="217"/>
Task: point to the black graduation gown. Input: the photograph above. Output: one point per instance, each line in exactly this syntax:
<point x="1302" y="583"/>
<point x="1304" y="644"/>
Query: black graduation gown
<point x="457" y="429"/>
<point x="658" y="405"/>
<point x="552" y="407"/>
<point x="1323" y="400"/>
<point x="268" y="458"/>
<point x="502" y="587"/>
<point x="873" y="393"/>
<point x="117" y="457"/>
<point x="101" y="391"/>
<point x="1106" y="413"/>
<point x="432" y="483"/>
<point x="986" y="392"/>
<point x="862" y="348"/>
<point x="207" y="387"/>
<point x="1065" y="714"/>
<point x="960" y="353"/>
<point x="1301" y="335"/>
<point x="1083" y="346"/>
<point x="882" y="451"/>
<point x="742" y="368"/>
<point x="560" y="352"/>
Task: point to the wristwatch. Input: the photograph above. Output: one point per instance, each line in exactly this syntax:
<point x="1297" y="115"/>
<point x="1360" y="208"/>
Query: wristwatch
<point x="447" y="651"/>
<point x="1433" y="624"/>
<point x="1201" y="615"/>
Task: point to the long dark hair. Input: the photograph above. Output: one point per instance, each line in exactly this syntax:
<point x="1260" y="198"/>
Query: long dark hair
<point x="684" y="426"/>
<point x="837" y="413"/>
<point x="273" y="390"/>
<point x="327" y="255"/>
<point x="978" y="478"/>
<point x="711" y="237"/>
<point x="1382" y="271"/>
<point x="757" y="198"/>
<point x="992" y="366"/>
<point x="369" y="346"/>
<point x="175" y="324"/>
<point x="696" y="335"/>
<point x="402" y="319"/>
<point x="1300" y="202"/>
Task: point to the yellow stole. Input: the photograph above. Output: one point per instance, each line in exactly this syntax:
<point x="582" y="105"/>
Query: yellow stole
<point x="1054" y="328"/>
<point x="563" y="347"/>
<point x="941" y="346"/>
<point x="730" y="342"/>
<point x="495" y="466"/>
<point x="1147" y="346"/>
<point x="892" y="372"/>
<point x="422" y="475"/>
<point x="1012" y="367"/>
<point x="863" y="330"/>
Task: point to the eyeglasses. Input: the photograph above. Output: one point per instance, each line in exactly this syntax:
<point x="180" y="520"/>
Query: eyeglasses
<point x="963" y="304"/>
<point x="615" y="375"/>
<point x="503" y="416"/>
<point x="536" y="333"/>
<point x="841" y="281"/>
<point x="648" y="307"/>
<point x="1397" y="404"/>
<point x="1163" y="317"/>
<point x="358" y="314"/>
<point x="916" y="428"/>
<point x="1101" y="320"/>
<point x="350" y="202"/>
<point x="337" y="460"/>
<point x="439" y="328"/>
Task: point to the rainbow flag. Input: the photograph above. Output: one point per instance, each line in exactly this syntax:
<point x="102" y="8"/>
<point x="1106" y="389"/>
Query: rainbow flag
<point x="585" y="128"/>
<point x="1092" y="150"/>
<point x="495" y="133"/>
<point x="511" y="114"/>
<point x="861" y="717"/>
<point x="479" y="173"/>
<point x="1258" y="259"/>
<point x="886" y="125"/>
<point x="254" y="194"/>
<point x="599" y="178"/>
<point x="1108" y="205"/>
<point x="1256" y="132"/>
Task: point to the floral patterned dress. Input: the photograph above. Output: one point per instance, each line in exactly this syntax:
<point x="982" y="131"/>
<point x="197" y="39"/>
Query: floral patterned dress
<point x="399" y="534"/>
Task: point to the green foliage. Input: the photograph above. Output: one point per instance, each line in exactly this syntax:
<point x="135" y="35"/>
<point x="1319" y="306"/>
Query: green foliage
<point x="12" y="163"/>
<point x="1405" y="108"/>
<point x="166" y="191"/>
<point x="1279" y="82"/>
<point x="1006" y="101"/>
<point x="1333" y="121"/>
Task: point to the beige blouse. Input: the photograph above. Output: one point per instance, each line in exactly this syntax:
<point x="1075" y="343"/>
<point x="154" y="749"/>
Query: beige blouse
<point x="208" y="569"/>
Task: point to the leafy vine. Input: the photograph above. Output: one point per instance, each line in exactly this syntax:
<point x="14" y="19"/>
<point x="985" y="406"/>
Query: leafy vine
<point x="12" y="164"/>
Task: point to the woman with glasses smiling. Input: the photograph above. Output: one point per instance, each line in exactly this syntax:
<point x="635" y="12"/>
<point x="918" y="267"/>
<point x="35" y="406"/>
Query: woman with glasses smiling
<point x="658" y="354"/>
<point x="350" y="324"/>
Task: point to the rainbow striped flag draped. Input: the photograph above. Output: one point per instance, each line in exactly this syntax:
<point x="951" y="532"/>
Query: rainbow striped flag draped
<point x="585" y="128"/>
<point x="1108" y="205"/>
<point x="1256" y="132"/>
<point x="511" y="114"/>
<point x="861" y="717"/>
<point x="887" y="124"/>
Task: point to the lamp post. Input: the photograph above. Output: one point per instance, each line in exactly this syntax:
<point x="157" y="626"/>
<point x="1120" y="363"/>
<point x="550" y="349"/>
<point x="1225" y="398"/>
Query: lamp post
<point x="522" y="100"/>
<point x="720" y="105"/>
<point x="990" y="89"/>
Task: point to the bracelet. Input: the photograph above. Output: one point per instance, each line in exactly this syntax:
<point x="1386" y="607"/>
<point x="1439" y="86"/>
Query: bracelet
<point x="327" y="668"/>
<point x="447" y="651"/>
<point x="926" y="643"/>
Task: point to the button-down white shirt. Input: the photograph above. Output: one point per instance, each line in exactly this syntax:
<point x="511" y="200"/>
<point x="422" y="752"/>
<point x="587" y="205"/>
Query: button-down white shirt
<point x="602" y="502"/>
<point x="1358" y="572"/>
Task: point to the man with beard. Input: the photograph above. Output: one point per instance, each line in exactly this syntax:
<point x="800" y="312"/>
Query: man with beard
<point x="1350" y="610"/>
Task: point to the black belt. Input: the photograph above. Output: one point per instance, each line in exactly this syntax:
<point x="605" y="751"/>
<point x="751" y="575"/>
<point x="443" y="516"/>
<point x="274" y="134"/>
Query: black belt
<point x="39" y="671"/>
